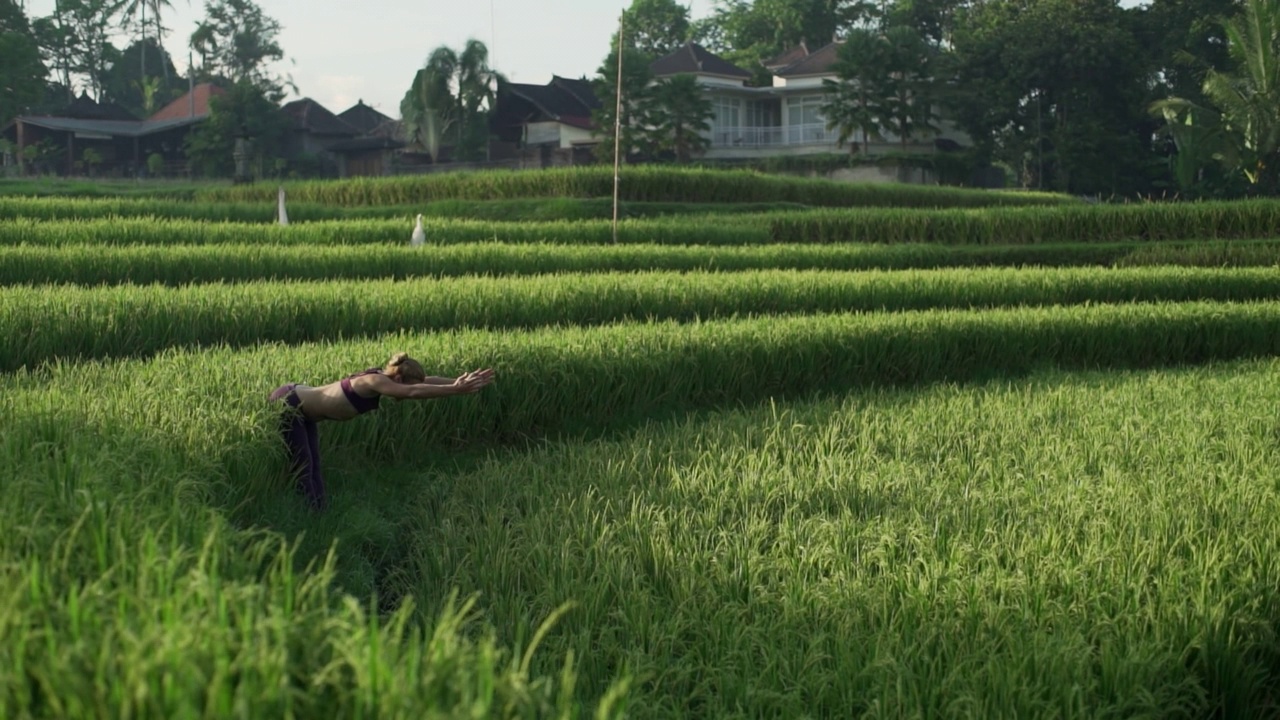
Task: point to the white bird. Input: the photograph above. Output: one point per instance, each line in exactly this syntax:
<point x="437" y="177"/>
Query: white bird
<point x="419" y="236"/>
<point x="283" y="216"/>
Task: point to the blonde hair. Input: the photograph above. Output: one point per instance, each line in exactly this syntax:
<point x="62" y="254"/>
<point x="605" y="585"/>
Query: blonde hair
<point x="405" y="369"/>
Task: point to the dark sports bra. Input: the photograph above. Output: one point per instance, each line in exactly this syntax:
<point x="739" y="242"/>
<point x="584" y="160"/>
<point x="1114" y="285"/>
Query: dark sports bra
<point x="360" y="403"/>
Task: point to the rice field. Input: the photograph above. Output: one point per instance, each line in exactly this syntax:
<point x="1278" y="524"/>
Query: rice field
<point x="732" y="466"/>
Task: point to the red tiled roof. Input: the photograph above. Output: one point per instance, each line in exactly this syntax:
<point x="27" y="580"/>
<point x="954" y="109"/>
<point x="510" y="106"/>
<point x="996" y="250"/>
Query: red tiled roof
<point x="819" y="62"/>
<point x="181" y="107"/>
<point x="794" y="55"/>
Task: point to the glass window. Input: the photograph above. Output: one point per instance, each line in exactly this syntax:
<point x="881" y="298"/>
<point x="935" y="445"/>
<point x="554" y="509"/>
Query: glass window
<point x="727" y="113"/>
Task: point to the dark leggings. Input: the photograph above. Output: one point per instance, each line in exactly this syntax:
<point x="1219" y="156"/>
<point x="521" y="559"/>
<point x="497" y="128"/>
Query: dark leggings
<point x="299" y="433"/>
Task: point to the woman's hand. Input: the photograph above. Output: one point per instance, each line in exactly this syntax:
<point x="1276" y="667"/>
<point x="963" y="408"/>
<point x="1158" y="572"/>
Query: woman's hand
<point x="472" y="382"/>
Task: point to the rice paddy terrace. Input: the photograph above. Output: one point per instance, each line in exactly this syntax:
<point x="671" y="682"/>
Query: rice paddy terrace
<point x="785" y="448"/>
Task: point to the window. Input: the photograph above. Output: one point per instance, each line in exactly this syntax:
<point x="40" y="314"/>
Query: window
<point x="806" y="110"/>
<point x="764" y="114"/>
<point x="727" y="114"/>
<point x="726" y="124"/>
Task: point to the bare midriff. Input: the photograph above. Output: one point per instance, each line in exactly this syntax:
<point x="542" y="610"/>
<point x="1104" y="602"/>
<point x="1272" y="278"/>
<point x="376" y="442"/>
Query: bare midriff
<point x="327" y="402"/>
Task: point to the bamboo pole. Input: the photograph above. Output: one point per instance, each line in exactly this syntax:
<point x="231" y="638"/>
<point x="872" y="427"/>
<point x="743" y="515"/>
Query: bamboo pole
<point x="617" y="128"/>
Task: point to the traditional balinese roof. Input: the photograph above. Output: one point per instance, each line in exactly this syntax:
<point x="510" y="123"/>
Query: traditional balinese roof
<point x="581" y="89"/>
<point x="86" y="108"/>
<point x="183" y="107"/>
<point x="693" y="58"/>
<point x="562" y="100"/>
<point x="819" y="62"/>
<point x="391" y="129"/>
<point x="310" y="116"/>
<point x="362" y="117"/>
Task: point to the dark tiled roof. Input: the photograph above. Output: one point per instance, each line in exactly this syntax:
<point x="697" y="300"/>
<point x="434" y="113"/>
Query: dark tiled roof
<point x="391" y="129"/>
<point x="117" y="128"/>
<point x="362" y="117"/>
<point x="85" y="108"/>
<point x="559" y="100"/>
<point x="581" y="89"/>
<point x="818" y="62"/>
<point x="311" y="116"/>
<point x="693" y="58"/>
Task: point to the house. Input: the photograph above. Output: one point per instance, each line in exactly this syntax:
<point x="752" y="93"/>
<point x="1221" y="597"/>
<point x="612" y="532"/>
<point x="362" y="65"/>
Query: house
<point x="784" y="118"/>
<point x="363" y="118"/>
<point x="314" y="130"/>
<point x="121" y="142"/>
<point x="551" y="121"/>
<point x="375" y="150"/>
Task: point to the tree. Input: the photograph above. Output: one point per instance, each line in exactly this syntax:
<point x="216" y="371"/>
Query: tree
<point x="635" y="82"/>
<point x="709" y="33"/>
<point x="22" y="72"/>
<point x="678" y="116"/>
<point x="449" y="100"/>
<point x="142" y="94"/>
<point x="75" y="40"/>
<point x="92" y="22"/>
<point x="138" y="8"/>
<point x="1242" y="104"/>
<point x="57" y="43"/>
<point x="1185" y="39"/>
<point x="1056" y="87"/>
<point x="756" y="31"/>
<point x="237" y="41"/>
<point x="906" y="86"/>
<point x="655" y="27"/>
<point x="933" y="20"/>
<point x="852" y="105"/>
<point x="245" y="111"/>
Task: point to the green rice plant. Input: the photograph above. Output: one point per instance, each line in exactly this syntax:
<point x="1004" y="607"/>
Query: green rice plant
<point x="887" y="554"/>
<point x="186" y="264"/>
<point x="101" y="187"/>
<point x="1065" y="223"/>
<point x="46" y="323"/>
<point x="1006" y="226"/>
<point x="1207" y="254"/>
<point x="125" y="593"/>
<point x="1071" y="547"/>
<point x="639" y="183"/>
<point x="519" y="210"/>
<point x="136" y="231"/>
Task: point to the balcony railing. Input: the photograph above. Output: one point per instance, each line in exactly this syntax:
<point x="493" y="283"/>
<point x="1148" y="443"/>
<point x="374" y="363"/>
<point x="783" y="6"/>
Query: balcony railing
<point x="808" y="134"/>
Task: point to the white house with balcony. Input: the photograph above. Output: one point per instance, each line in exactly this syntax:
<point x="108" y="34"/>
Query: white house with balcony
<point x="784" y="118"/>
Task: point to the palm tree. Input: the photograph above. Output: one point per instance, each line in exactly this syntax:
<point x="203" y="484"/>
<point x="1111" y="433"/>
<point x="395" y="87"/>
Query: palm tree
<point x="477" y="92"/>
<point x="449" y="95"/>
<point x="1243" y="115"/>
<point x="680" y="115"/>
<point x="427" y="109"/>
<point x="139" y="8"/>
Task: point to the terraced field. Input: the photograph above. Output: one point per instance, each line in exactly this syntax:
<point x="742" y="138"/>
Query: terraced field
<point x="786" y="449"/>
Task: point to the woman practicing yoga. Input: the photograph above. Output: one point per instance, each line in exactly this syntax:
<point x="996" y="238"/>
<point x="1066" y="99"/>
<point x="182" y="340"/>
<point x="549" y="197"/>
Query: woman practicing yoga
<point x="403" y="378"/>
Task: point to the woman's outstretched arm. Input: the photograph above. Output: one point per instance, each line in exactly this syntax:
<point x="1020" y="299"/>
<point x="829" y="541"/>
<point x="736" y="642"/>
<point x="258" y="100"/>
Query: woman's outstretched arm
<point x="465" y="384"/>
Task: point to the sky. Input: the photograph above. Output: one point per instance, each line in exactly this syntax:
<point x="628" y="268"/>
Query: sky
<point x="341" y="51"/>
